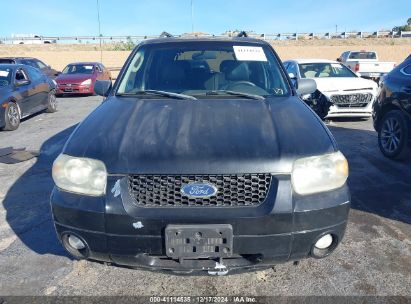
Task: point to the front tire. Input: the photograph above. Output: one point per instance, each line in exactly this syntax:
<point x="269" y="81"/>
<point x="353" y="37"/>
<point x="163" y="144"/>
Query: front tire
<point x="394" y="135"/>
<point x="12" y="117"/>
<point x="51" y="102"/>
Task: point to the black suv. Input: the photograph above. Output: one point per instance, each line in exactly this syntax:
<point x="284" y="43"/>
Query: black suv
<point x="201" y="158"/>
<point x="392" y="112"/>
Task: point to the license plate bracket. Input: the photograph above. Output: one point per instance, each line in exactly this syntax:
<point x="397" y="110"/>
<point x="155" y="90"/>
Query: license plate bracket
<point x="199" y="241"/>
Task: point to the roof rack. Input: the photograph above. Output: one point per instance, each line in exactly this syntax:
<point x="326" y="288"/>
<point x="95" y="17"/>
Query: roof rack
<point x="242" y="34"/>
<point x="165" y="35"/>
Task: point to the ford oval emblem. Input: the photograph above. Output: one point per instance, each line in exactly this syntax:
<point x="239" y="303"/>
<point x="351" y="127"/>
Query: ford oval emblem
<point x="198" y="190"/>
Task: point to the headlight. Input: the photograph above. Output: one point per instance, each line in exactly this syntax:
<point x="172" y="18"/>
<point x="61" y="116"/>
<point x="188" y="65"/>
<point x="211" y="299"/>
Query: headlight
<point x="307" y="96"/>
<point x="319" y="173"/>
<point x="80" y="175"/>
<point x="86" y="82"/>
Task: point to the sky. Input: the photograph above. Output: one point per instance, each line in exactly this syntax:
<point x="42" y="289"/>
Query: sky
<point x="151" y="17"/>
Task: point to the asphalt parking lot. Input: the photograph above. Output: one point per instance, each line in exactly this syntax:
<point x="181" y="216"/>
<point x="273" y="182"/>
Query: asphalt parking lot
<point x="374" y="258"/>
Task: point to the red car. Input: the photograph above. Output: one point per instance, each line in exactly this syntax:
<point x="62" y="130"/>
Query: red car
<point x="80" y="77"/>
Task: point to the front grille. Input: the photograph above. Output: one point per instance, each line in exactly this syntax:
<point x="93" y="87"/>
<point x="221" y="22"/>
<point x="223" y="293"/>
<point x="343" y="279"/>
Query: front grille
<point x="352" y="100"/>
<point x="232" y="190"/>
<point x="69" y="84"/>
<point x="355" y="105"/>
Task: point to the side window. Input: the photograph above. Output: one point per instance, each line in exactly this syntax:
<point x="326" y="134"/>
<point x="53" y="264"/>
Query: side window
<point x="29" y="63"/>
<point x="286" y="64"/>
<point x="21" y="75"/>
<point x="98" y="68"/>
<point x="34" y="74"/>
<point x="39" y="64"/>
<point x="292" y="69"/>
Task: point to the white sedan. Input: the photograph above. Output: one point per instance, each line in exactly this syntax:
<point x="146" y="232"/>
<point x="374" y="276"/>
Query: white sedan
<point x="340" y="92"/>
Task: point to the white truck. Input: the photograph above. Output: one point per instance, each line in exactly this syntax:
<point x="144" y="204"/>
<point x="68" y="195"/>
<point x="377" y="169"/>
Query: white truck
<point x="366" y="64"/>
<point x="31" y="39"/>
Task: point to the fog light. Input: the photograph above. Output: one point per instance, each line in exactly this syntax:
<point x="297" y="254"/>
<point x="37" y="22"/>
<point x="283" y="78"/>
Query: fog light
<point x="76" y="243"/>
<point x="324" y="242"/>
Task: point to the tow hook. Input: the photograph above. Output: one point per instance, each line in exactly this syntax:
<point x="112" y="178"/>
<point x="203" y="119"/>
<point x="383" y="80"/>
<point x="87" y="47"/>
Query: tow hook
<point x="219" y="270"/>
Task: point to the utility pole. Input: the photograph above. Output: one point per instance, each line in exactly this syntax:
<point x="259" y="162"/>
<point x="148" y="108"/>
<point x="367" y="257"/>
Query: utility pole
<point x="336" y="28"/>
<point x="99" y="30"/>
<point x="192" y="17"/>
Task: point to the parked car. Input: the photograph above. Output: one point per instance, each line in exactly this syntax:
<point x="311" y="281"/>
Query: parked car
<point x="23" y="92"/>
<point x="366" y="64"/>
<point x="34" y="62"/>
<point x="80" y="77"/>
<point x="392" y="112"/>
<point x="201" y="158"/>
<point x="340" y="92"/>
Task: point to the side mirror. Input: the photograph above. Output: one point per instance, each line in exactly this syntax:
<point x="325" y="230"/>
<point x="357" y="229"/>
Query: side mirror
<point x="306" y="86"/>
<point x="57" y="73"/>
<point x="23" y="82"/>
<point x="292" y="76"/>
<point x="102" y="87"/>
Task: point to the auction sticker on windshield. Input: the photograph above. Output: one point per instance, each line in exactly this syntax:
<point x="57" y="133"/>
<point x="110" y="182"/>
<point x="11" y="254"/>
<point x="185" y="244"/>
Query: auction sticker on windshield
<point x="336" y="65"/>
<point x="249" y="53"/>
<point x="4" y="73"/>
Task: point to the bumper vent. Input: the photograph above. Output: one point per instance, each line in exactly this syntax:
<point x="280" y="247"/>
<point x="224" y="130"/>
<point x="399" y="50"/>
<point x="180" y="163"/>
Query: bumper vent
<point x="232" y="190"/>
<point x="352" y="100"/>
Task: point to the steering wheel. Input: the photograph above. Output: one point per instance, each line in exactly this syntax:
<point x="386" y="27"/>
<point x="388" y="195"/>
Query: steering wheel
<point x="242" y="82"/>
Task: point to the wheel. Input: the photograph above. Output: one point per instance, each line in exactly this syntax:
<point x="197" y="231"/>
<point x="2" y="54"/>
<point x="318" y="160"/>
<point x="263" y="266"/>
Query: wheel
<point x="393" y="135"/>
<point x="12" y="117"/>
<point x="51" y="102"/>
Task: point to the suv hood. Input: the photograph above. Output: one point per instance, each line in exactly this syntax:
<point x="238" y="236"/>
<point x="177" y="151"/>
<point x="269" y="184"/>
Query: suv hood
<point x="206" y="136"/>
<point x="330" y="84"/>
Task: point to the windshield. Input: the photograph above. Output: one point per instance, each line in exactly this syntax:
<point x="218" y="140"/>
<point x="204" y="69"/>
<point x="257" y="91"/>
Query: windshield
<point x="363" y="55"/>
<point x="78" y="69"/>
<point x="5" y="77"/>
<point x="7" y="61"/>
<point x="320" y="70"/>
<point x="201" y="68"/>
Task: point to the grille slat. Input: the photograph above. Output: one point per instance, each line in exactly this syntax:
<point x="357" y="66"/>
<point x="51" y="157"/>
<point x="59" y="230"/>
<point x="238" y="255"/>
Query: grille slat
<point x="352" y="100"/>
<point x="165" y="190"/>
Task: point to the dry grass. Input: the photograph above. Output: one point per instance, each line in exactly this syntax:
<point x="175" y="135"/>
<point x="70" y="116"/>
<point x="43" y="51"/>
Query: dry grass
<point x="60" y="55"/>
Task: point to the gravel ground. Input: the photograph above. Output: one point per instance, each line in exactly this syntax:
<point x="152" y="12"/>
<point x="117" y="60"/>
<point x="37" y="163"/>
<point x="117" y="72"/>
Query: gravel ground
<point x="374" y="258"/>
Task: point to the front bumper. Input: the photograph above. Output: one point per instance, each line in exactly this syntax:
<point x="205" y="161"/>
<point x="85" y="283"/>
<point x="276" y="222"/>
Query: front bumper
<point x="283" y="228"/>
<point x="74" y="89"/>
<point x="350" y="111"/>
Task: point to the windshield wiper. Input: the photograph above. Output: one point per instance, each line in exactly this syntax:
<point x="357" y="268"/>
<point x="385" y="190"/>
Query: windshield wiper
<point x="162" y="93"/>
<point x="251" y="96"/>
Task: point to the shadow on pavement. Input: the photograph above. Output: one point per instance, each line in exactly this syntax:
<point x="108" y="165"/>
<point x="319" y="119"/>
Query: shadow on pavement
<point x="27" y="201"/>
<point x="378" y="185"/>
